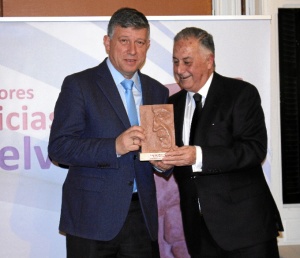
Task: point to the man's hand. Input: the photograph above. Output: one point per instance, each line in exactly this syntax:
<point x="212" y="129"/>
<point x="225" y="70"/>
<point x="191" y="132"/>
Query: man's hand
<point x="181" y="156"/>
<point x="130" y="140"/>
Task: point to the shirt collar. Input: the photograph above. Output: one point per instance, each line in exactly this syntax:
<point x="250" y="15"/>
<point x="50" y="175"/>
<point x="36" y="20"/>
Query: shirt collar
<point x="204" y="90"/>
<point x="118" y="77"/>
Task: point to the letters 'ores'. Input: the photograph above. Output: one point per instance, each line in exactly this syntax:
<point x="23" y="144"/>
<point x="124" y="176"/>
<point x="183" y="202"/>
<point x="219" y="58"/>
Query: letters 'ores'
<point x="158" y="123"/>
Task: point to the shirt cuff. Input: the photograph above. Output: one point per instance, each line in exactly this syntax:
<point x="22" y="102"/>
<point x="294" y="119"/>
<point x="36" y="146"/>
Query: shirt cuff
<point x="158" y="170"/>
<point x="197" y="167"/>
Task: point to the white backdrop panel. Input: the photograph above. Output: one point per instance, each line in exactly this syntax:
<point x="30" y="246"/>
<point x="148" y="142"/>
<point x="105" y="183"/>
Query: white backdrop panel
<point x="36" y="55"/>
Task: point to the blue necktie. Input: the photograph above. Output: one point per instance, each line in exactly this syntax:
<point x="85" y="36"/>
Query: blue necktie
<point x="131" y="109"/>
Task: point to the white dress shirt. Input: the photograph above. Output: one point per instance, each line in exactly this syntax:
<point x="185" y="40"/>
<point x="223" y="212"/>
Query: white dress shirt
<point x="188" y="115"/>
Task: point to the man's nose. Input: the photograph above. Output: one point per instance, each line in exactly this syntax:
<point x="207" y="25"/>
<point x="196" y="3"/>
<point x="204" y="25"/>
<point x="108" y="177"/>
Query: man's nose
<point x="180" y="68"/>
<point x="132" y="48"/>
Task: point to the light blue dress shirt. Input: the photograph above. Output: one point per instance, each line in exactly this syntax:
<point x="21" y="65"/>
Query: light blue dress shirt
<point x="136" y="89"/>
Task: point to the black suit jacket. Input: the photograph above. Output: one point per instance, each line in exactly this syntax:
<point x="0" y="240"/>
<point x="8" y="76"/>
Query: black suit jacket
<point x="89" y="115"/>
<point x="235" y="199"/>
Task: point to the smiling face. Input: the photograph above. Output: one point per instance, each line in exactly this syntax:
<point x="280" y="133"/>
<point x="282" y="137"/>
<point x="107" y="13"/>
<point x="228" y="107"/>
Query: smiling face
<point x="192" y="64"/>
<point x="127" y="49"/>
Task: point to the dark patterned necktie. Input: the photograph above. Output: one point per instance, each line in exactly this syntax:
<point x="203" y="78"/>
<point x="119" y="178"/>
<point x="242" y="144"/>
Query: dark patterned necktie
<point x="196" y="116"/>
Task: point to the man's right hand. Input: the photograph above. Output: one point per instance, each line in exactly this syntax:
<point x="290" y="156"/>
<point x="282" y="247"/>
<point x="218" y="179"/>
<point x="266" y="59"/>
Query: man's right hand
<point x="130" y="140"/>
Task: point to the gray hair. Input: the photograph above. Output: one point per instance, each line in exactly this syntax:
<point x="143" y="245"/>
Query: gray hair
<point x="203" y="37"/>
<point x="127" y="18"/>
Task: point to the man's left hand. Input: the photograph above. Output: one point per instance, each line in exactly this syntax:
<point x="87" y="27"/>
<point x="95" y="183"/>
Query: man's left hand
<point x="181" y="156"/>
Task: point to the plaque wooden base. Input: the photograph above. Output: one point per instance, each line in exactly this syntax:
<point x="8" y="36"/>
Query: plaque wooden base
<point x="158" y="123"/>
<point x="151" y="156"/>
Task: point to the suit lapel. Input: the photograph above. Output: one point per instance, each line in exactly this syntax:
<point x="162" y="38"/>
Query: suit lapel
<point x="107" y="85"/>
<point x="212" y="102"/>
<point x="146" y="91"/>
<point x="150" y="93"/>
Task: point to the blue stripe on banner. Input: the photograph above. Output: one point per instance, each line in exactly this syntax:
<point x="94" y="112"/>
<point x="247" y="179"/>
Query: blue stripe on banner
<point x="160" y="56"/>
<point x="165" y="30"/>
<point x="22" y="44"/>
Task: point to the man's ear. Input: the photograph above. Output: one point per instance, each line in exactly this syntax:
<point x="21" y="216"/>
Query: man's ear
<point x="106" y="42"/>
<point x="211" y="61"/>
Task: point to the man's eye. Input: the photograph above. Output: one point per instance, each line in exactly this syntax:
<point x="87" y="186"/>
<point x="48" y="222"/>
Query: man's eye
<point x="140" y="43"/>
<point x="124" y="41"/>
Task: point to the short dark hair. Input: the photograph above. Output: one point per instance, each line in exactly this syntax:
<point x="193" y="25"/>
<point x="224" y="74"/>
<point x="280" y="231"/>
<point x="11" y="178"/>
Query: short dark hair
<point x="126" y="18"/>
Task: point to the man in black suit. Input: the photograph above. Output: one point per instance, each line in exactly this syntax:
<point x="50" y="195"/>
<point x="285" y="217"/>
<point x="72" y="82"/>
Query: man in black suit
<point x="109" y="204"/>
<point x="227" y="207"/>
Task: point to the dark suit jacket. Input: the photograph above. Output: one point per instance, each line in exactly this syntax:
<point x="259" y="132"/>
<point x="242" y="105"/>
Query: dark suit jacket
<point x="89" y="115"/>
<point x="235" y="199"/>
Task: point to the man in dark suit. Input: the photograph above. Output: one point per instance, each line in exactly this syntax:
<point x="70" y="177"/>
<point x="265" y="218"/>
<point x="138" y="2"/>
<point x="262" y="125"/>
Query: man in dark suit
<point x="227" y="207"/>
<point x="109" y="204"/>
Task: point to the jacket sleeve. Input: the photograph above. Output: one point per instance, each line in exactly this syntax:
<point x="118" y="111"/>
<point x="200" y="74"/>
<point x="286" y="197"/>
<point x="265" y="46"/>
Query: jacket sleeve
<point x="76" y="138"/>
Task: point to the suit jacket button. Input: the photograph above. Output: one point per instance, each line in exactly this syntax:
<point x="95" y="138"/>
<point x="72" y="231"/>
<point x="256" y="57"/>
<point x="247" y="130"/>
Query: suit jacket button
<point x="134" y="157"/>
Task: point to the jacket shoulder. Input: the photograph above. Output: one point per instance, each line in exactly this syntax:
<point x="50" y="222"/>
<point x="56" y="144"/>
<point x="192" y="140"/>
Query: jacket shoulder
<point x="151" y="80"/>
<point x="88" y="73"/>
<point x="153" y="84"/>
<point x="234" y="84"/>
<point x="178" y="95"/>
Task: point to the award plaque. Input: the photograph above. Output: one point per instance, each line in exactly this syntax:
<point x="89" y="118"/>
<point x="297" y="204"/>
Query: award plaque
<point x="158" y="123"/>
